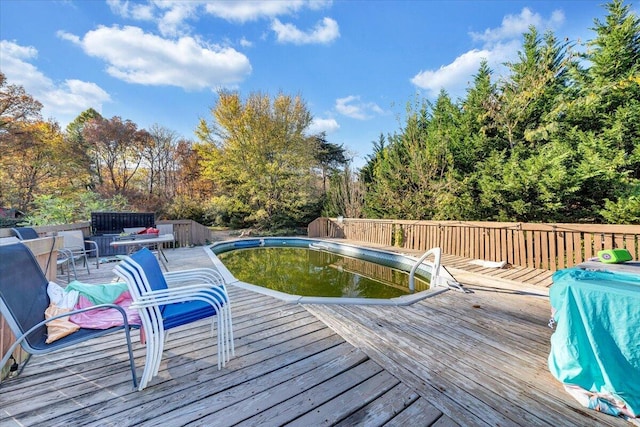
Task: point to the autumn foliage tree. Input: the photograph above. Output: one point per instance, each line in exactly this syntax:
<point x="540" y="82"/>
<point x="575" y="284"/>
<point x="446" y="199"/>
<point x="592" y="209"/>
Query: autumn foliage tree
<point x="115" y="148"/>
<point x="16" y="106"/>
<point x="258" y="157"/>
<point x="18" y="110"/>
<point x="33" y="163"/>
<point x="32" y="152"/>
<point x="82" y="159"/>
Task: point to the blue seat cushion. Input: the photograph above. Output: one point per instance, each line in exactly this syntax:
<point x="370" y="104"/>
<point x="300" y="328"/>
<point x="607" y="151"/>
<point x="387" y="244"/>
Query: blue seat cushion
<point x="181" y="313"/>
<point x="175" y="314"/>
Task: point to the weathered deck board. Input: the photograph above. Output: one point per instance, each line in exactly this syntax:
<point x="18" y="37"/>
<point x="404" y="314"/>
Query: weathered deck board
<point x="485" y="351"/>
<point x="200" y="356"/>
<point x="530" y="276"/>
<point x="420" y="413"/>
<point x="384" y="408"/>
<point x="263" y="404"/>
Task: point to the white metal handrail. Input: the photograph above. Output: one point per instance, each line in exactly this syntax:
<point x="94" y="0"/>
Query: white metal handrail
<point x="435" y="273"/>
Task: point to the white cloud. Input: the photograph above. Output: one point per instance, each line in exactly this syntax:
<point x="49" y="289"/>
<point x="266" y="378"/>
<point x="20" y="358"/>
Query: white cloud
<point x="324" y="32"/>
<point x="513" y="26"/>
<point x="61" y="100"/>
<point x="451" y="74"/>
<point x="172" y="16"/>
<point x="75" y="96"/>
<point x="13" y="51"/>
<point x="127" y="9"/>
<point x="323" y="125"/>
<point x="251" y="10"/>
<point x="500" y="45"/>
<point x="172" y="22"/>
<point x="351" y="106"/>
<point x="138" y="57"/>
<point x="69" y="37"/>
<point x="245" y="43"/>
<point x="557" y="19"/>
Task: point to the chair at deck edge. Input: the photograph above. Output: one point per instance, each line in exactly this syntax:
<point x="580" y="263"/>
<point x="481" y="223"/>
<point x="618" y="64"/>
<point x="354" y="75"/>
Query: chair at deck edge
<point x="24" y="299"/>
<point x="65" y="257"/>
<point x="25" y="233"/>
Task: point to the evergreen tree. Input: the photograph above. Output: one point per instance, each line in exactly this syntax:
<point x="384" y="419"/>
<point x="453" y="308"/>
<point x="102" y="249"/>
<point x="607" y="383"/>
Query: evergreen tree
<point x="529" y="94"/>
<point x="367" y="171"/>
<point x="605" y="119"/>
<point x="479" y="129"/>
<point x="329" y="157"/>
<point x="615" y="54"/>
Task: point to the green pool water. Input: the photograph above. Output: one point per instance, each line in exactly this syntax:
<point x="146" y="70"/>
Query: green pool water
<point x="306" y="272"/>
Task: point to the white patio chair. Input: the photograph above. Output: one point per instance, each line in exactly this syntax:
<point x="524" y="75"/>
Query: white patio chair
<point x="65" y="258"/>
<point x="199" y="294"/>
<point x="76" y="245"/>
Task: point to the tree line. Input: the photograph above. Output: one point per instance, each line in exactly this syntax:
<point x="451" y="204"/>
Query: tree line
<point x="253" y="166"/>
<point x="555" y="140"/>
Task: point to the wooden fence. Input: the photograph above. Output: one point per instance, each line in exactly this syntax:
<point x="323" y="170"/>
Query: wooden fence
<point x="188" y="232"/>
<point x="546" y="246"/>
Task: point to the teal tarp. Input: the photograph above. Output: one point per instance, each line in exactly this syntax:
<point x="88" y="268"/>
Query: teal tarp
<point x="596" y="344"/>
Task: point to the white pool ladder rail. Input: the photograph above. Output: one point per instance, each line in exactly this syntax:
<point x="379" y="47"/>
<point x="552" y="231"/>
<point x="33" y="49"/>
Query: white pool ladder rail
<point x="437" y="278"/>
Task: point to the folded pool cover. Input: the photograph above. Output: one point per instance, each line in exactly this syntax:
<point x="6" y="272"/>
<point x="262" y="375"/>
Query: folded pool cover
<point x="596" y="344"/>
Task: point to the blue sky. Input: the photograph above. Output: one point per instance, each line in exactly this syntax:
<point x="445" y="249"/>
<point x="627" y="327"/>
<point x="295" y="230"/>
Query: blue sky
<point x="355" y="63"/>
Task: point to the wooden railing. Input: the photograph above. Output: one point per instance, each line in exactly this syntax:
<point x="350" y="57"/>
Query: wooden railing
<point x="546" y="246"/>
<point x="186" y="232"/>
<point x="46" y="252"/>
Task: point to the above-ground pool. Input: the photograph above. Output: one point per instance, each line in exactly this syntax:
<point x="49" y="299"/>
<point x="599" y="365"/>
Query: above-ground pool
<point x="319" y="271"/>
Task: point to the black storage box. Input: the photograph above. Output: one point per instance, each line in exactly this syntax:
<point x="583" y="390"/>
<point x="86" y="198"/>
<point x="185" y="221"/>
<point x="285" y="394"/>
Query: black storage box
<point x="105" y="226"/>
<point x="116" y="222"/>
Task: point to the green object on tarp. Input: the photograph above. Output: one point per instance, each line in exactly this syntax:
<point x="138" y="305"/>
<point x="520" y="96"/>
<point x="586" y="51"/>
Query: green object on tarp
<point x="614" y="256"/>
<point x="596" y="344"/>
<point x="99" y="294"/>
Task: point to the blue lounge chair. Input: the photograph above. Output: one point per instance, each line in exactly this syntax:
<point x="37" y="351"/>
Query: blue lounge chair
<point x="166" y="301"/>
<point x="65" y="257"/>
<point x="24" y="299"/>
<point x="25" y="233"/>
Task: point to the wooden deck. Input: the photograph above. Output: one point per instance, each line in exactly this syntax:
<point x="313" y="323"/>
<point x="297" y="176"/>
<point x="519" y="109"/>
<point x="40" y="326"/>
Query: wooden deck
<point x="465" y="271"/>
<point x="471" y="359"/>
